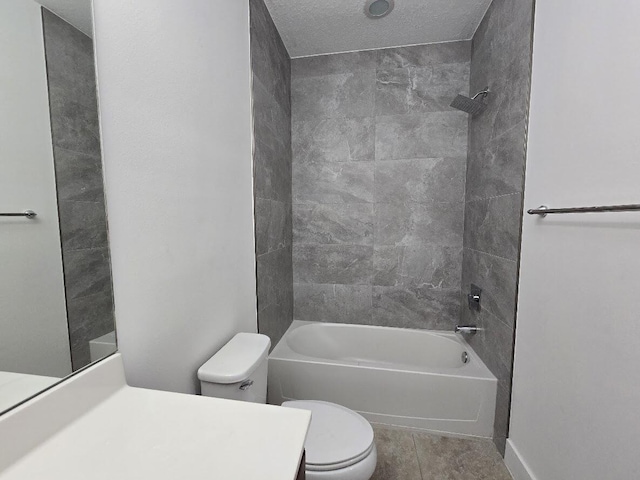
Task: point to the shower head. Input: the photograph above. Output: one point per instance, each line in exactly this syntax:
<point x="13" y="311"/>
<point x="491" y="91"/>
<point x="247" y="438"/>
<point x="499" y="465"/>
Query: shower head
<point x="473" y="106"/>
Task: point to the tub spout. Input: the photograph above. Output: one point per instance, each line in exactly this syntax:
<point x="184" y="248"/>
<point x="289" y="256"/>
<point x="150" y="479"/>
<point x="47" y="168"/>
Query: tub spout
<point x="467" y="329"/>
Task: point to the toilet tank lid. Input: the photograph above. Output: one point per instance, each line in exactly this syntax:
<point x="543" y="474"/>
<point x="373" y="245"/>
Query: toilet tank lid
<point x="237" y="360"/>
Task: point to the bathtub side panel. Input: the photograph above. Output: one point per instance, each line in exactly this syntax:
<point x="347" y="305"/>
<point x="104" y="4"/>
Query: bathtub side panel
<point x="447" y="403"/>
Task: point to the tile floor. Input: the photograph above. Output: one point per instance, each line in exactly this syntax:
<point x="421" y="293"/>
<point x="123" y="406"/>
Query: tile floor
<point x="404" y="455"/>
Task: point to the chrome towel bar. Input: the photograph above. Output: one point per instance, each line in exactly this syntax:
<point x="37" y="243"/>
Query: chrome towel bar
<point x="543" y="210"/>
<point x="27" y="213"/>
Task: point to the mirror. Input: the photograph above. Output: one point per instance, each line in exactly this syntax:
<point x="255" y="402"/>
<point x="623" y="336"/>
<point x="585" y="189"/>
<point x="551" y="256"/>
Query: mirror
<point x="56" y="301"/>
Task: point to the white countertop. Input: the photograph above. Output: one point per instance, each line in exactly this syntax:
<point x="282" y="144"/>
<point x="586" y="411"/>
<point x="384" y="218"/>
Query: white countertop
<point x="145" y="434"/>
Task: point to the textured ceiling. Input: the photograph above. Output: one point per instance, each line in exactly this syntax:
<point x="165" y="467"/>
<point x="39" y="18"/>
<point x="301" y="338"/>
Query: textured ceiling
<point x="314" y="27"/>
<point x="76" y="12"/>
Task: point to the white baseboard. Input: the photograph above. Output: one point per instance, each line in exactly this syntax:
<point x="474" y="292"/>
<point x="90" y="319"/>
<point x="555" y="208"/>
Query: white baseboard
<point x="516" y="464"/>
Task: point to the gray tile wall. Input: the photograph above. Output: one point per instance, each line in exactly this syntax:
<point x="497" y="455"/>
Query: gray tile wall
<point x="379" y="162"/>
<point x="494" y="188"/>
<point x="272" y="173"/>
<point x="78" y="167"/>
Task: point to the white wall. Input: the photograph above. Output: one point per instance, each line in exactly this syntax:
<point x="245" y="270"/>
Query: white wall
<point x="34" y="337"/>
<point x="576" y="386"/>
<point x="174" y="87"/>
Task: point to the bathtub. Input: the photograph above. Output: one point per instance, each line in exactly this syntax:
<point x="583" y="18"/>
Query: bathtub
<point x="393" y="376"/>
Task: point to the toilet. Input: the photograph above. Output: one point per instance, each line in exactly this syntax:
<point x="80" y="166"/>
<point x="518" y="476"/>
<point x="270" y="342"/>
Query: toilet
<point x="339" y="445"/>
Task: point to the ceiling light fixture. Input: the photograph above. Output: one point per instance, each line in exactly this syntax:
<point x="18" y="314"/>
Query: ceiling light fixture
<point x="378" y="8"/>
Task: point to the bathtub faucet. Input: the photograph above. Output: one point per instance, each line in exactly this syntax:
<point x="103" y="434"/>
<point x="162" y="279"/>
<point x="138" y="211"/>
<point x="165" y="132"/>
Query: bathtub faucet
<point x="467" y="329"/>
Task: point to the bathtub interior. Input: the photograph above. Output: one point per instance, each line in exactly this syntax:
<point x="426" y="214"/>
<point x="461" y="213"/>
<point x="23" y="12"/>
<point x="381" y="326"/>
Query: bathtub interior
<point x="390" y="346"/>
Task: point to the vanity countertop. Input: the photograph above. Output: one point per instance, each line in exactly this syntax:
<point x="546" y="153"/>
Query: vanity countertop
<point x="15" y="387"/>
<point x="142" y="434"/>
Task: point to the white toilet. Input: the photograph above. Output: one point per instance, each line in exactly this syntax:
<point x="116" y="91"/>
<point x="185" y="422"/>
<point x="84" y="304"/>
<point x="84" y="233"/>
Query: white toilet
<point x="339" y="444"/>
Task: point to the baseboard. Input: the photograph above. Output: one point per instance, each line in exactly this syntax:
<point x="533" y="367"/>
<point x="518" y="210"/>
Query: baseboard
<point x="516" y="464"/>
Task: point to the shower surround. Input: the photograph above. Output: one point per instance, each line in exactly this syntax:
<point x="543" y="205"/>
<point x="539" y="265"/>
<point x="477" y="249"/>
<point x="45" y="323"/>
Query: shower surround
<point x="271" y="93"/>
<point x="501" y="58"/>
<point x="379" y="164"/>
<point x="399" y="201"/>
<point x="78" y="164"/>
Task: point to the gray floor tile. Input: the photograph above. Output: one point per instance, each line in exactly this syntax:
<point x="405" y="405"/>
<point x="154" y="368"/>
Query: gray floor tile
<point x="403" y="455"/>
<point x="443" y="458"/>
<point x="397" y="458"/>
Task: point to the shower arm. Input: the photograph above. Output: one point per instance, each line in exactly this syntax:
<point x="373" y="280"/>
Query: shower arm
<point x="484" y="93"/>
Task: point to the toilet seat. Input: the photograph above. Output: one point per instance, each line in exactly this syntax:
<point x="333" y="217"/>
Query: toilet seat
<point x="338" y="437"/>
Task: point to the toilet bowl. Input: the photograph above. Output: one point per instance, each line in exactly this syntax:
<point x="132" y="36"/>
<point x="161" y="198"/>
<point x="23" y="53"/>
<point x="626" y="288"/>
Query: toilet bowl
<point x="339" y="444"/>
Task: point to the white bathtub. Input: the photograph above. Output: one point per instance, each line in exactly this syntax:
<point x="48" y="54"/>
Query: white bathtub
<point x="393" y="376"/>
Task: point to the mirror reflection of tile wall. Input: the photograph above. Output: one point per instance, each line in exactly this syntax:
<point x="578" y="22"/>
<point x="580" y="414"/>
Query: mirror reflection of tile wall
<point x="79" y="182"/>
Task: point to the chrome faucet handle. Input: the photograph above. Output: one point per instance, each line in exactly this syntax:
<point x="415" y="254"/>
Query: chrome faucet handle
<point x="467" y="329"/>
<point x="474" y="297"/>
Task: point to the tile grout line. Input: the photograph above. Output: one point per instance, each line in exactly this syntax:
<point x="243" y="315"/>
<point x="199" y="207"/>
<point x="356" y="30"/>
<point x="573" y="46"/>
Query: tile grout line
<point x="490" y="254"/>
<point x="499" y="319"/>
<point x="371" y="314"/>
<point x="88" y="154"/>
<point x="380" y="49"/>
<point x="493" y="197"/>
<point x="387" y="161"/>
<point x="415" y="448"/>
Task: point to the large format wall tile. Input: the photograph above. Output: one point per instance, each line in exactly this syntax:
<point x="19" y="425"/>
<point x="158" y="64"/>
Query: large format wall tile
<point x="78" y="176"/>
<point x="426" y="200"/>
<point x="378" y="185"/>
<point x="495" y="344"/>
<point x="502" y="413"/>
<point x="82" y="225"/>
<point x="501" y="59"/>
<point x="339" y="95"/>
<point x="333" y="182"/>
<point x="496" y="167"/>
<point x="493" y="226"/>
<point x="273" y="225"/>
<point x="273" y="319"/>
<point x="333" y="303"/>
<point x="74" y="127"/>
<point x="271" y="93"/>
<point x="271" y="122"/>
<point x="425" y="55"/>
<point x="272" y="168"/>
<point x="418" y="307"/>
<point x="333" y="140"/>
<point x="423" y="180"/>
<point x="274" y="278"/>
<point x="420" y="89"/>
<point x="418" y="224"/>
<point x="330" y="64"/>
<point x="79" y="184"/>
<point x="339" y="264"/>
<point x="86" y="272"/>
<point x="89" y="317"/>
<point x="495" y="347"/>
<point x="498" y="278"/>
<point x="503" y="35"/>
<point x="434" y="266"/>
<point x="269" y="58"/>
<point x="333" y="224"/>
<point x="438" y="134"/>
<point x="507" y="103"/>
<point x="70" y="62"/>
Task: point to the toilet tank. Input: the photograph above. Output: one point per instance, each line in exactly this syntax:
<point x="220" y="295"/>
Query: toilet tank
<point x="238" y="371"/>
